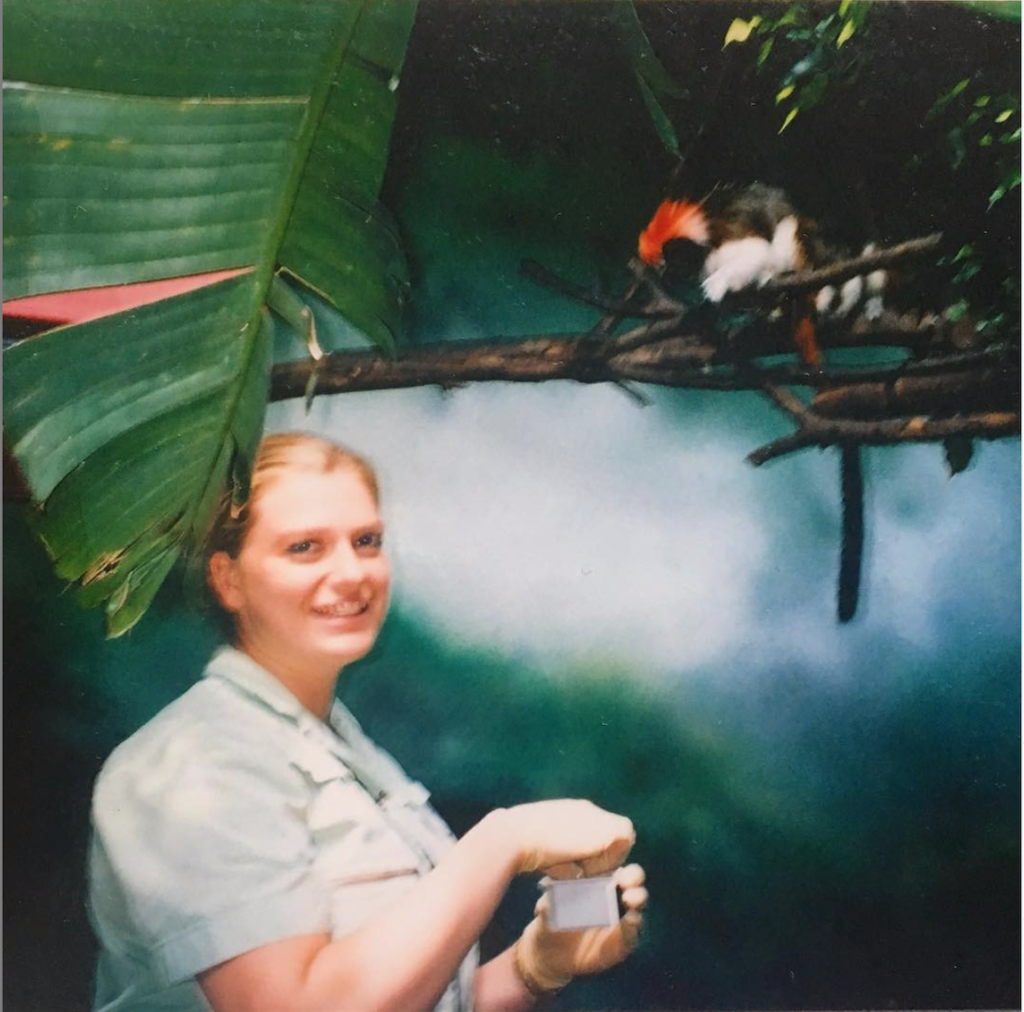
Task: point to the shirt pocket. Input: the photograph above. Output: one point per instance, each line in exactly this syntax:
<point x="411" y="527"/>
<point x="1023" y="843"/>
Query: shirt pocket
<point x="407" y="808"/>
<point x="352" y="840"/>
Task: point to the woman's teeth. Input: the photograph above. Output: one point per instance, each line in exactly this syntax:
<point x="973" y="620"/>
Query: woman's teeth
<point x="342" y="610"/>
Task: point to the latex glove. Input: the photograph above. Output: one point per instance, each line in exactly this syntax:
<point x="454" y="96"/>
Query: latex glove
<point x="568" y="838"/>
<point x="547" y="960"/>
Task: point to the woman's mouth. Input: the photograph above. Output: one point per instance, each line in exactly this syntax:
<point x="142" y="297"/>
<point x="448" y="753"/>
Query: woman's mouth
<point x="343" y="609"/>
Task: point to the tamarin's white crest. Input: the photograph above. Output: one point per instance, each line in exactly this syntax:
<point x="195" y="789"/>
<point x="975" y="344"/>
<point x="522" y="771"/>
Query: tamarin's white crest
<point x="752" y="235"/>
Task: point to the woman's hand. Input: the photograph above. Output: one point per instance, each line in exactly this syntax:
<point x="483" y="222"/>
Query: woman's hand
<point x="547" y="960"/>
<point x="568" y="837"/>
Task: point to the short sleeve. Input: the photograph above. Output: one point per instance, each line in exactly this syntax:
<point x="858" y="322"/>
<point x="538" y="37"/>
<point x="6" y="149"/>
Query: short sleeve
<point x="202" y="854"/>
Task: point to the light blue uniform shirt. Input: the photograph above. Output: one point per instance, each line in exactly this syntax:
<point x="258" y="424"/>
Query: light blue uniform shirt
<point x="236" y="818"/>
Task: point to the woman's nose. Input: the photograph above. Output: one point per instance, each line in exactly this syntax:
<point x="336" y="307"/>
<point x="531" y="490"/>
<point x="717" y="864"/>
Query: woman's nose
<point x="346" y="566"/>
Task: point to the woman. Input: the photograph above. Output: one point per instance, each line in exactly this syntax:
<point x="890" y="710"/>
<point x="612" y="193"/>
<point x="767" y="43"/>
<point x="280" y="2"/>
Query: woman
<point x="253" y="850"/>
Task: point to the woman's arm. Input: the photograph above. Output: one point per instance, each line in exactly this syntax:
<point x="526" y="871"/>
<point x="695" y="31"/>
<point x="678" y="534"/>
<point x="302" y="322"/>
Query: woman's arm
<point x="500" y="988"/>
<point x="403" y="958"/>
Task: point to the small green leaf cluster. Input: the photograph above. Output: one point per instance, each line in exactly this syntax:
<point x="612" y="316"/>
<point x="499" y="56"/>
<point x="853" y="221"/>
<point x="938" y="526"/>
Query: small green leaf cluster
<point x="808" y="47"/>
<point x="980" y="136"/>
<point x="974" y="118"/>
<point x="987" y="321"/>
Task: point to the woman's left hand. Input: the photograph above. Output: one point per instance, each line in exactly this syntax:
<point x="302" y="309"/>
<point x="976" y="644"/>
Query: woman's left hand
<point x="547" y="960"/>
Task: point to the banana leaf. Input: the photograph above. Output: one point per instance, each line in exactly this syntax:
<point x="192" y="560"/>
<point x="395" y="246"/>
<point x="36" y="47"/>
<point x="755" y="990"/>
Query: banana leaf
<point x="148" y="139"/>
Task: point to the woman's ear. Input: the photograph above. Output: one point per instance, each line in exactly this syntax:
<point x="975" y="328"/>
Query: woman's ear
<point x="222" y="575"/>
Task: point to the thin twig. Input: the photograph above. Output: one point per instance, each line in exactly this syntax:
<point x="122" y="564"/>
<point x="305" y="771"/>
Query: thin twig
<point x="787" y="401"/>
<point x="542" y="276"/>
<point x="636" y="395"/>
<point x="639" y="337"/>
<point x="608" y="323"/>
<point x="648" y="276"/>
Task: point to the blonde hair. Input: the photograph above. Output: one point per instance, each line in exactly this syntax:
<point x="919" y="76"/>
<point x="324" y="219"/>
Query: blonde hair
<point x="284" y="451"/>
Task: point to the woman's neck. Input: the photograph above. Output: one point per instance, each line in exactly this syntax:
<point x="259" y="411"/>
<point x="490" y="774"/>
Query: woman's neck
<point x="311" y="682"/>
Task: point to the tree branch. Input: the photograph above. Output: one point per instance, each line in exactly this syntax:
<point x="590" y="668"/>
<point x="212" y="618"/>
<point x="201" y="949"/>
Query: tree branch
<point x="513" y="360"/>
<point x="663" y="305"/>
<point x="785" y="400"/>
<point x="791" y="374"/>
<point x="925" y="398"/>
<point x="664" y="352"/>
<point x="819" y="432"/>
<point x="806" y="281"/>
<point x="949" y="394"/>
<point x="640" y="337"/>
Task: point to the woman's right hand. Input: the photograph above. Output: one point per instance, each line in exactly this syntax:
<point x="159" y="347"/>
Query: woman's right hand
<point x="568" y="836"/>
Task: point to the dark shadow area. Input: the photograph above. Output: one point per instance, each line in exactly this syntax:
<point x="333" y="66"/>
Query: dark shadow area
<point x="48" y="946"/>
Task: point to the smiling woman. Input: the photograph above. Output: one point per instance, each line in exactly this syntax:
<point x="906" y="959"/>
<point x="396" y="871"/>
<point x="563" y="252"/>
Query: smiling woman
<point x="252" y="848"/>
<point x="307" y="585"/>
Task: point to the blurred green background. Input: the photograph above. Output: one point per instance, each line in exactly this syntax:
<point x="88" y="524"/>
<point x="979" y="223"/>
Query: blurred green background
<point x="598" y="599"/>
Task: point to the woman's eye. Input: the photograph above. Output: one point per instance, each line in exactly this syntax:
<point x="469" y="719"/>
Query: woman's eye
<point x="300" y="547"/>
<point x="370" y="541"/>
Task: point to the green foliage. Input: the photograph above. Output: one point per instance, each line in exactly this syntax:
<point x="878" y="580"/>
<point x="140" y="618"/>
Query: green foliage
<point x="1007" y="10"/>
<point x="980" y="142"/>
<point x="805" y="48"/>
<point x="655" y="83"/>
<point x="973" y="118"/>
<point x="170" y="139"/>
<point x="964" y="160"/>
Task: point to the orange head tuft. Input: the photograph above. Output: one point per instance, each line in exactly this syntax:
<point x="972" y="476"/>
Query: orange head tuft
<point x="674" y="219"/>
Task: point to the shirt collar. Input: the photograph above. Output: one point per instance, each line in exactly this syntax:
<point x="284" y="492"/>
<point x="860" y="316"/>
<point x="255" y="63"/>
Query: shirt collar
<point x="238" y="668"/>
<point x="254" y="680"/>
<point x="343" y="722"/>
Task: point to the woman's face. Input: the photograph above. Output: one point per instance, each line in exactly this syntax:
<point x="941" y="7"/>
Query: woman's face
<point x="310" y="584"/>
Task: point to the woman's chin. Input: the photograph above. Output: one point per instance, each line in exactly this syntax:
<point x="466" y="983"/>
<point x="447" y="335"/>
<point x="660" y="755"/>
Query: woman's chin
<point x="345" y="644"/>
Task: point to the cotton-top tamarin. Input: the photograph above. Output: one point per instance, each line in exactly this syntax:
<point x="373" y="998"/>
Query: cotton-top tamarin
<point x="752" y="235"/>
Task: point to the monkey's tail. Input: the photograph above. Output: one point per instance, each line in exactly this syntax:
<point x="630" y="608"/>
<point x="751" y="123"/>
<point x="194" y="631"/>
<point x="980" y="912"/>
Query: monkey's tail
<point x="852" y="546"/>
